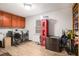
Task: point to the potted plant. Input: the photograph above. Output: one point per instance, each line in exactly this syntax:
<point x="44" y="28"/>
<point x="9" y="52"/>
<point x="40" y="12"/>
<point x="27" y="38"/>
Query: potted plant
<point x="70" y="44"/>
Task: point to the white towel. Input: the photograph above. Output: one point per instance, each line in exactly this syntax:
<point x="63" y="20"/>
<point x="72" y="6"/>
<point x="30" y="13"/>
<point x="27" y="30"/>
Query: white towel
<point x="1" y="37"/>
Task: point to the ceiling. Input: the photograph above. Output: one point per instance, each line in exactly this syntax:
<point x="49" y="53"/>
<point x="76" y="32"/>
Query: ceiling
<point x="37" y="8"/>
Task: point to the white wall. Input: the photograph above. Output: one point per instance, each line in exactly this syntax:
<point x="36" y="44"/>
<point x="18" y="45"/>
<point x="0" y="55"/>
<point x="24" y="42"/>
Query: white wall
<point x="5" y="30"/>
<point x="62" y="20"/>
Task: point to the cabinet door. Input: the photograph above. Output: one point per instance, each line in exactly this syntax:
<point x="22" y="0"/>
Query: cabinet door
<point x="6" y="20"/>
<point x="22" y="22"/>
<point x="0" y="19"/>
<point x="14" y="21"/>
<point x="19" y="22"/>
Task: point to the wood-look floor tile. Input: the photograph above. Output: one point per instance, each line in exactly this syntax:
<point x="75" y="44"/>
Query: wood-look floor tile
<point x="31" y="49"/>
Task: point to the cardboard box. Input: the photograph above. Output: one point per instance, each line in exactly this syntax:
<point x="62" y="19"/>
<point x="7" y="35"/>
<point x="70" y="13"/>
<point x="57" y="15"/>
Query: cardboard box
<point x="7" y="42"/>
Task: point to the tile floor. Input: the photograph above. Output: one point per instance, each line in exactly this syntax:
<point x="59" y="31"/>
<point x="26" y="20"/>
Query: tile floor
<point x="30" y="49"/>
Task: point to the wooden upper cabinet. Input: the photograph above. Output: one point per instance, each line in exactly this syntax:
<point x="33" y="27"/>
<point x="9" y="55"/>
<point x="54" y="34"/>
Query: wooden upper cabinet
<point x="14" y="21"/>
<point x="6" y="22"/>
<point x="22" y="22"/>
<point x="19" y="22"/>
<point x="0" y="19"/>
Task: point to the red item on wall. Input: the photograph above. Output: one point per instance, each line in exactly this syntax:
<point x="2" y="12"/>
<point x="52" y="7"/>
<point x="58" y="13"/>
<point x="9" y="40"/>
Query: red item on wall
<point x="44" y="31"/>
